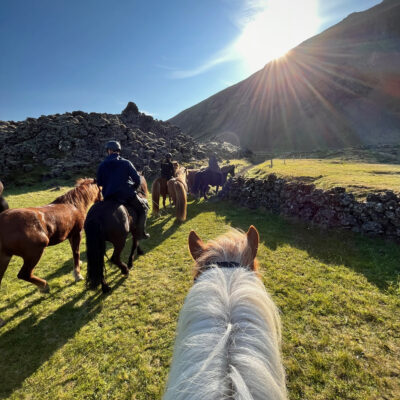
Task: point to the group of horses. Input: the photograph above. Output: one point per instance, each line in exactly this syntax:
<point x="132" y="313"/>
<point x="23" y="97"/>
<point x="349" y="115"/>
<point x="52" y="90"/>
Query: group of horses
<point x="228" y="342"/>
<point x="194" y="181"/>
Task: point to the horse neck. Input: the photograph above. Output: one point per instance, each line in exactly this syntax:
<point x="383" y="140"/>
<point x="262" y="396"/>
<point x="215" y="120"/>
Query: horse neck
<point x="80" y="197"/>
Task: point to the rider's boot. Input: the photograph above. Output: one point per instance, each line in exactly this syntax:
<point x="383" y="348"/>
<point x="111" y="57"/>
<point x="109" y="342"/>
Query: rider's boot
<point x="141" y="226"/>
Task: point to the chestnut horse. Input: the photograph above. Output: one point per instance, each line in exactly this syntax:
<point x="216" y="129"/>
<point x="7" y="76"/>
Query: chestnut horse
<point x="228" y="342"/>
<point x="177" y="189"/>
<point x="26" y="232"/>
<point x="3" y="203"/>
<point x="110" y="221"/>
<point x="160" y="188"/>
<point x="206" y="178"/>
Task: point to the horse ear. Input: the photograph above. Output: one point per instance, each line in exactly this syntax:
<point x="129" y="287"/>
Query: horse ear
<point x="253" y="239"/>
<point x="196" y="245"/>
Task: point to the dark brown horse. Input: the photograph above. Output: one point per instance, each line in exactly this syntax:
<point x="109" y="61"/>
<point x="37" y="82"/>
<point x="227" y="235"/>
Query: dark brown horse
<point x="26" y="232"/>
<point x="206" y="178"/>
<point x="109" y="221"/>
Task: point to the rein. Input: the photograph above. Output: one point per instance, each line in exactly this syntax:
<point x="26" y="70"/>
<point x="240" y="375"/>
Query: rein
<point x="221" y="264"/>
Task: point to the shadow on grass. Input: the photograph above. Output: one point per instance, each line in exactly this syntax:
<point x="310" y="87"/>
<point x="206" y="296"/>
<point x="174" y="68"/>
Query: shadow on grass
<point x="156" y="224"/>
<point x="32" y="342"/>
<point x="375" y="258"/>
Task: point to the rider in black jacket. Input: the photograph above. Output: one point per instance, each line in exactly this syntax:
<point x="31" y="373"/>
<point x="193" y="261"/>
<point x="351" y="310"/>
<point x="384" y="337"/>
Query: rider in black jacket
<point x="119" y="180"/>
<point x="167" y="168"/>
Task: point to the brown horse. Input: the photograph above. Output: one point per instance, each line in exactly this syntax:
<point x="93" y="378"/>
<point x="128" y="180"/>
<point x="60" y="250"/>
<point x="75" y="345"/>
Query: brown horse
<point x="26" y="232"/>
<point x="177" y="188"/>
<point x="160" y="188"/>
<point x="110" y="221"/>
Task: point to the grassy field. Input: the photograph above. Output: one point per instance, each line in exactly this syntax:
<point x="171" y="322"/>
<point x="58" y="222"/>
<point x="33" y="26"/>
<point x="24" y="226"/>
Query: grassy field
<point x="339" y="296"/>
<point x="359" y="178"/>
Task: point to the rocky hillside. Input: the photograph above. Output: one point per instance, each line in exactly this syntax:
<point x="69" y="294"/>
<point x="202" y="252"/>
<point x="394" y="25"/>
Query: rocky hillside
<point x="70" y="144"/>
<point x="338" y="89"/>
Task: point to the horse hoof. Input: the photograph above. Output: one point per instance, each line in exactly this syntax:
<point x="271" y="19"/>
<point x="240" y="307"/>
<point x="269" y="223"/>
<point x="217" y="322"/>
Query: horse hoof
<point x="45" y="289"/>
<point x="105" y="289"/>
<point x="140" y="252"/>
<point x="78" y="277"/>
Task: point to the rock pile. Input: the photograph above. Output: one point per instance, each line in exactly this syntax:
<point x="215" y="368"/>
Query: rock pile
<point x="64" y="145"/>
<point x="378" y="215"/>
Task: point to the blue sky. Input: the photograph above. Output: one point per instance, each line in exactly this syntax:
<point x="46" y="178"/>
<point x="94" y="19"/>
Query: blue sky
<point x="96" y="55"/>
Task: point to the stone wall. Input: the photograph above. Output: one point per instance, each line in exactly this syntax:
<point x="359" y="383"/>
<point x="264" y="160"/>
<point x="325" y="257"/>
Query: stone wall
<point x="64" y="145"/>
<point x="335" y="208"/>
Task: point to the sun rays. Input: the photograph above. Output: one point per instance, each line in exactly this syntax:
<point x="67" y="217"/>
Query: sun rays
<point x="273" y="29"/>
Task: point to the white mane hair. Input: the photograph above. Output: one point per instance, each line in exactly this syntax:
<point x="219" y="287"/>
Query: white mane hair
<point x="228" y="335"/>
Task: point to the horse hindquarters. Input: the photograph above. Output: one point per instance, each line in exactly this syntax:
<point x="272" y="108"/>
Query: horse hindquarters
<point x="95" y="250"/>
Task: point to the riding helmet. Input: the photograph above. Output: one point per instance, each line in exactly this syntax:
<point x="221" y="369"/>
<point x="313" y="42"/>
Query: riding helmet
<point x="168" y="156"/>
<point x="113" y="145"/>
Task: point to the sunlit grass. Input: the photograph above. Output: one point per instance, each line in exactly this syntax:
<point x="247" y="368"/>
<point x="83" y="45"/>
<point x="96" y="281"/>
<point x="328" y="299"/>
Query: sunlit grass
<point x="357" y="178"/>
<point x="338" y="293"/>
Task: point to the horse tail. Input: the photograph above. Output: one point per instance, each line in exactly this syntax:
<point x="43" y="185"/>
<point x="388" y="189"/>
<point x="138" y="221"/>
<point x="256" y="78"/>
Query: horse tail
<point x="171" y="190"/>
<point x="181" y="201"/>
<point x="155" y="195"/>
<point x="95" y="250"/>
<point x="3" y="204"/>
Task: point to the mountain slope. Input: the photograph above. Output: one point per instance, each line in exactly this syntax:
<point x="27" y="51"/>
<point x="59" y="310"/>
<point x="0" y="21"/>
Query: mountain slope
<point x="338" y="89"/>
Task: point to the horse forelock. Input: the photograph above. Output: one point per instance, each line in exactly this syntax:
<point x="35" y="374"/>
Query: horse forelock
<point x="230" y="247"/>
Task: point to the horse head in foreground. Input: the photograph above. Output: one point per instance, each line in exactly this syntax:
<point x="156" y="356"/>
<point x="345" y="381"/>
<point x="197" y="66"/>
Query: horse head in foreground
<point x="229" y="333"/>
<point x="26" y="232"/>
<point x="110" y="221"/>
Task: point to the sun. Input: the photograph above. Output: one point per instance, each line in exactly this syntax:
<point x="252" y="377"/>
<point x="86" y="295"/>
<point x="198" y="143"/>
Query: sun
<point x="277" y="27"/>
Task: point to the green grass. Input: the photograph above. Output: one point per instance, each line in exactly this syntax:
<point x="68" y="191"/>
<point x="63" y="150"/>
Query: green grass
<point x="338" y="293"/>
<point x="357" y="177"/>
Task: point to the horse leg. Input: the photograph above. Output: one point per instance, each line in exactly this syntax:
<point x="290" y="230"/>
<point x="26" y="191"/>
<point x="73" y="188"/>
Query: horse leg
<point x="133" y="248"/>
<point x="116" y="256"/>
<point x="75" y="241"/>
<point x="139" y="250"/>
<point x="105" y="287"/>
<point x="216" y="190"/>
<point x="4" y="261"/>
<point x="25" y="273"/>
<point x="204" y="192"/>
